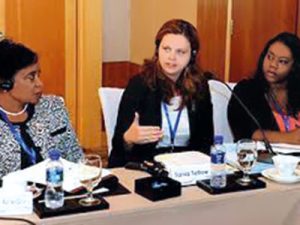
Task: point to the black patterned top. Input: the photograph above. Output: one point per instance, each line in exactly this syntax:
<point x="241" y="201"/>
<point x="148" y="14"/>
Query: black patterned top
<point x="47" y="126"/>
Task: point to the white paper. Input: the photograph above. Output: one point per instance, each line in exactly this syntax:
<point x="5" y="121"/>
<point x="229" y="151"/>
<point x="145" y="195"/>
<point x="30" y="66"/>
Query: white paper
<point x="37" y="174"/>
<point x="183" y="158"/>
<point x="281" y="147"/>
<point x="15" y="202"/>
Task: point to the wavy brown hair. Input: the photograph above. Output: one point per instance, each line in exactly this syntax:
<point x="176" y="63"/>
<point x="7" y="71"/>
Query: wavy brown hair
<point x="192" y="78"/>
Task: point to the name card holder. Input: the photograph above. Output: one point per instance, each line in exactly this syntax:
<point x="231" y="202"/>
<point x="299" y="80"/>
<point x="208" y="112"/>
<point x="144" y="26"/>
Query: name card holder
<point x="189" y="174"/>
<point x="15" y="202"/>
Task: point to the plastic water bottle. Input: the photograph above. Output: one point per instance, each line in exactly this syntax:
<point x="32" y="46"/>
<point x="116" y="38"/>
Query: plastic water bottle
<point x="54" y="194"/>
<point x="218" y="167"/>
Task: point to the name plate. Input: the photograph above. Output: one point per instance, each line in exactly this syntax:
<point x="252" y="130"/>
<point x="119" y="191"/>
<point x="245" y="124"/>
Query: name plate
<point x="186" y="167"/>
<point x="15" y="203"/>
<point x="189" y="174"/>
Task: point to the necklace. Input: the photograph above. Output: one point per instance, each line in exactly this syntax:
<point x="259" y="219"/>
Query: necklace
<point x="14" y="114"/>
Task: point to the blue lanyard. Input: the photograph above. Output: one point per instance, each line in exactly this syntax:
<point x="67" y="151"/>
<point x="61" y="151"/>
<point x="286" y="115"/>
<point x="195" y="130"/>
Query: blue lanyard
<point x="172" y="130"/>
<point x="29" y="151"/>
<point x="285" y="118"/>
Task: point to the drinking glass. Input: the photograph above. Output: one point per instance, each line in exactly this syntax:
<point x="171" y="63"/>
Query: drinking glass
<point x="90" y="170"/>
<point x="246" y="156"/>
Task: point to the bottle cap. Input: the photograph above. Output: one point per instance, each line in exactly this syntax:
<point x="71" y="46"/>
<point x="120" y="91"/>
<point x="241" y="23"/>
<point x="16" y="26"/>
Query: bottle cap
<point x="54" y="154"/>
<point x="218" y="139"/>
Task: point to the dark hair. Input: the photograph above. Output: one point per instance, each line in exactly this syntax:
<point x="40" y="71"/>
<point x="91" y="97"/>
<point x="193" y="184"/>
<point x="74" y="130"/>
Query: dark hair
<point x="293" y="79"/>
<point x="14" y="57"/>
<point x="191" y="79"/>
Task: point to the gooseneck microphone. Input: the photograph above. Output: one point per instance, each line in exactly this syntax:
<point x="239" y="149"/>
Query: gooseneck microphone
<point x="263" y="157"/>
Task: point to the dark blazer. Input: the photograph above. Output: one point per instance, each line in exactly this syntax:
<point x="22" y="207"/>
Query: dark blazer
<point x="140" y="98"/>
<point x="252" y="95"/>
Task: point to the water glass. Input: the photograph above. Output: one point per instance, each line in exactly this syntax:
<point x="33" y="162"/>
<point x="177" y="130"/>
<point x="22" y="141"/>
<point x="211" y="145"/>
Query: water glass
<point x="90" y="171"/>
<point x="246" y="156"/>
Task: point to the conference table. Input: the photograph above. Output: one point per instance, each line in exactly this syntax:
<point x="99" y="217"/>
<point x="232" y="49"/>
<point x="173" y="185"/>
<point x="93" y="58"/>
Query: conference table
<point x="276" y="204"/>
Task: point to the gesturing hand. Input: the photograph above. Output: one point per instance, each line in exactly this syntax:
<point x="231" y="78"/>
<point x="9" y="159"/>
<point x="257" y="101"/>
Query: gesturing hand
<point x="137" y="134"/>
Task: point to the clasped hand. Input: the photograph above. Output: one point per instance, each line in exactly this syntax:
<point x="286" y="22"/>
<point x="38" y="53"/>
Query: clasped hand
<point x="137" y="134"/>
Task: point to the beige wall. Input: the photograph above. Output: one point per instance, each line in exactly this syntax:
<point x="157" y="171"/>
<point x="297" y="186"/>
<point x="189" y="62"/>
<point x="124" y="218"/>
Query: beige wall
<point x="2" y="15"/>
<point x="148" y="16"/>
<point x="116" y="30"/>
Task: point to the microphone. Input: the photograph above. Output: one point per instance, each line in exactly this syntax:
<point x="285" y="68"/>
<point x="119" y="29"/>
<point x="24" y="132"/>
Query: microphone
<point x="265" y="156"/>
<point x="156" y="169"/>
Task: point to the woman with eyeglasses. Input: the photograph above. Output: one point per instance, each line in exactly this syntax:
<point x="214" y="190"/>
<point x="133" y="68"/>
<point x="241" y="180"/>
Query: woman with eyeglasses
<point x="31" y="123"/>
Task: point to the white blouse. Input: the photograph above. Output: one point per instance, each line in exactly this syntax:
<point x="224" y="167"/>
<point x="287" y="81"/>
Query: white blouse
<point x="182" y="135"/>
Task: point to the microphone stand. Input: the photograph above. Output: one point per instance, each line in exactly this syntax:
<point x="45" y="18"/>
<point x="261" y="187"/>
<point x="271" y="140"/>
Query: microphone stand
<point x="156" y="169"/>
<point x="263" y="156"/>
<point x="156" y="187"/>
